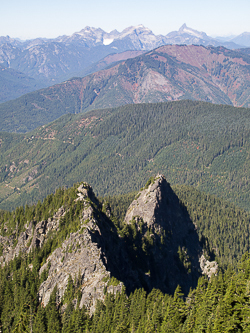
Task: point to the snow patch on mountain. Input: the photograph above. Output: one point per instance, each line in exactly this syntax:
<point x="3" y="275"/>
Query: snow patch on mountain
<point x="190" y="31"/>
<point x="107" y="41"/>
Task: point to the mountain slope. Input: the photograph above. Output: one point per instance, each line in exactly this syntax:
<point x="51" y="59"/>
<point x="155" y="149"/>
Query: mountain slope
<point x="50" y="61"/>
<point x="79" y="240"/>
<point x="212" y="217"/>
<point x="116" y="150"/>
<point x="70" y="237"/>
<point x="55" y="60"/>
<point x="14" y="83"/>
<point x="168" y="73"/>
<point x="70" y="254"/>
<point x="189" y="36"/>
<point x="109" y="60"/>
<point x="242" y="39"/>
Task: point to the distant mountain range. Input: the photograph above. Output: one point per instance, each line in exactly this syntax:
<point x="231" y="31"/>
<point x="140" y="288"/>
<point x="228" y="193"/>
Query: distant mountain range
<point x="14" y="84"/>
<point x="168" y="73"/>
<point x="243" y="39"/>
<point x="50" y="61"/>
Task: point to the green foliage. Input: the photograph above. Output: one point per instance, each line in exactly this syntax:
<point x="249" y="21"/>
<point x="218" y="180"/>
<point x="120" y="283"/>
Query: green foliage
<point x="149" y="182"/>
<point x="19" y="307"/>
<point x="12" y="223"/>
<point x="70" y="291"/>
<point x="184" y="258"/>
<point x="223" y="228"/>
<point x="113" y="281"/>
<point x="220" y="304"/>
<point x="48" y="106"/>
<point x="118" y="150"/>
<point x="118" y="206"/>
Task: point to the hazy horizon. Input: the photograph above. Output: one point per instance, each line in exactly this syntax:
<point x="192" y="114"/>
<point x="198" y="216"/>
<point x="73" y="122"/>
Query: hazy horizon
<point x="49" y="19"/>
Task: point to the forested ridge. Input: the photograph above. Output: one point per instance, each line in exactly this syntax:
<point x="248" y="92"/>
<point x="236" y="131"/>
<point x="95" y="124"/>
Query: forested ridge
<point x="202" y="149"/>
<point x="217" y="305"/>
<point x="170" y="72"/>
<point x="117" y="150"/>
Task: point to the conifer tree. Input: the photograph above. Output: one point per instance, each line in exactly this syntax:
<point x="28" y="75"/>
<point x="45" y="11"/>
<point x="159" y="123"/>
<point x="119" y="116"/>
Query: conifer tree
<point x="52" y="314"/>
<point x="39" y="325"/>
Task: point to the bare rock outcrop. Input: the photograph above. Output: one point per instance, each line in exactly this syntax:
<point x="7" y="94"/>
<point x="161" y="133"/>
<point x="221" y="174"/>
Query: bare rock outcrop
<point x="208" y="268"/>
<point x="33" y="236"/>
<point x="175" y="251"/>
<point x="147" y="202"/>
<point x="83" y="260"/>
<point x="158" y="247"/>
<point x="93" y="255"/>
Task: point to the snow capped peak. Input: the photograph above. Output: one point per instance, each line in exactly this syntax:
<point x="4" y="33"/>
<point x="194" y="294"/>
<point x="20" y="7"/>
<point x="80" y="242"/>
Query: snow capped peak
<point x="139" y="26"/>
<point x="133" y="30"/>
<point x="187" y="30"/>
<point x="139" y="37"/>
<point x="87" y="31"/>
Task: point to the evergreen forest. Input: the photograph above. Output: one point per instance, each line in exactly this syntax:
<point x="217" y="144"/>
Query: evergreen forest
<point x="204" y="152"/>
<point x="218" y="304"/>
<point x="117" y="150"/>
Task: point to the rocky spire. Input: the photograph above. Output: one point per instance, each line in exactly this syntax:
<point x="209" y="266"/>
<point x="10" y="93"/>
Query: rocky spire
<point x="174" y="256"/>
<point x="157" y="248"/>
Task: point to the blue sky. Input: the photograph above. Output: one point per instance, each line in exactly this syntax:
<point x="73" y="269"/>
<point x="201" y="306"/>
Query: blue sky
<point x="28" y="19"/>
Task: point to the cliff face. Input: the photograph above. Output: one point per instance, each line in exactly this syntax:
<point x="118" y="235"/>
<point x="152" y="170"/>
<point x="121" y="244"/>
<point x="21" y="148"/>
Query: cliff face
<point x="175" y="251"/>
<point x="92" y="255"/>
<point x="157" y="248"/>
<point x="34" y="236"/>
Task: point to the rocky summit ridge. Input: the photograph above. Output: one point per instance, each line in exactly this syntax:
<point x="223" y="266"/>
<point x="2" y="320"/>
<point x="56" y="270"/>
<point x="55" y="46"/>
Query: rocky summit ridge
<point x="158" y="246"/>
<point x="90" y="254"/>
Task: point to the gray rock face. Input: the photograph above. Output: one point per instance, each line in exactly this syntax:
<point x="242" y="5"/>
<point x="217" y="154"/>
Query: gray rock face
<point x="33" y="236"/>
<point x="94" y="255"/>
<point x="174" y="255"/>
<point x="162" y="252"/>
<point x="87" y="255"/>
<point x="208" y="268"/>
<point x="146" y="204"/>
<point x="82" y="259"/>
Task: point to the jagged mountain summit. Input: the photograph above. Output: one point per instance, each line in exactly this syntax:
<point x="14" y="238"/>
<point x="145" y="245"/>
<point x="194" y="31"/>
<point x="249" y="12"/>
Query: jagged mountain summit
<point x="188" y="36"/>
<point x="54" y="60"/>
<point x="186" y="30"/>
<point x="135" y="37"/>
<point x="157" y="213"/>
<point x="168" y="73"/>
<point x="51" y="61"/>
<point x="158" y="246"/>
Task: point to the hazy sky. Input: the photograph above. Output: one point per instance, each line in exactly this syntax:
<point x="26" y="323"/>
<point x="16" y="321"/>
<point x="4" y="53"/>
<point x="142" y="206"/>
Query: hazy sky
<point x="28" y="19"/>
